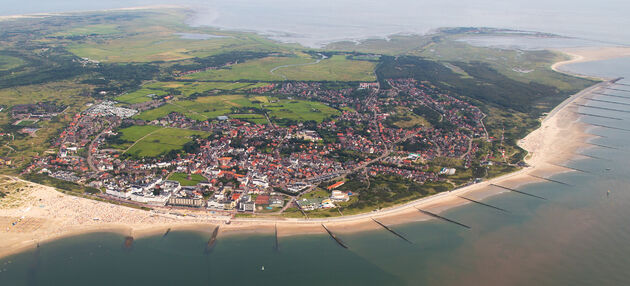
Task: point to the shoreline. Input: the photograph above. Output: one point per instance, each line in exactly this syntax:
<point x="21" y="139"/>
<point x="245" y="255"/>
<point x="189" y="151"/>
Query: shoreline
<point x="59" y="216"/>
<point x="588" y="54"/>
<point x="65" y="13"/>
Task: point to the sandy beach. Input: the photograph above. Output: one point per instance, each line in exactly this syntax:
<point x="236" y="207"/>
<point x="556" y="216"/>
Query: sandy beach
<point x="580" y="55"/>
<point x="43" y="214"/>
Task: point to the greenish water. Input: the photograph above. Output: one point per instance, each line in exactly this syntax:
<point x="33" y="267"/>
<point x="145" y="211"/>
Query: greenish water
<point x="578" y="236"/>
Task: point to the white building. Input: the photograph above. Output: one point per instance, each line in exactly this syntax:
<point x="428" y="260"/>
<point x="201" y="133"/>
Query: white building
<point x="339" y="196"/>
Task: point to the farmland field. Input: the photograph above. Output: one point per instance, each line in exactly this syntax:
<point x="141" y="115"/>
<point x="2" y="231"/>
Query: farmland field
<point x="162" y="141"/>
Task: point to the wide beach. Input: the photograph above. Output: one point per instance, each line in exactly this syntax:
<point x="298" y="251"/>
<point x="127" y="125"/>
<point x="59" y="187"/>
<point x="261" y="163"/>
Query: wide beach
<point x="45" y="214"/>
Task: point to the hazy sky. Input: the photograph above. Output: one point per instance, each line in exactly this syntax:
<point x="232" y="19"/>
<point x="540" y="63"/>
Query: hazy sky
<point x="313" y="22"/>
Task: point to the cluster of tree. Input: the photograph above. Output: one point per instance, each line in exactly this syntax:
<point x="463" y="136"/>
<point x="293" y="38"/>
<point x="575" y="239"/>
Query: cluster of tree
<point x="434" y="117"/>
<point x="388" y="189"/>
<point x="59" y="184"/>
<point x="42" y="64"/>
<point x="218" y="60"/>
<point x="485" y="84"/>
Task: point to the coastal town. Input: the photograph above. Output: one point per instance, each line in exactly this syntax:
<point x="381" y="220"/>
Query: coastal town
<point x="232" y="165"/>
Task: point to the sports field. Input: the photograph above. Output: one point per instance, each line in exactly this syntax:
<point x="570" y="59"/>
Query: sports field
<point x="160" y="141"/>
<point x="184" y="179"/>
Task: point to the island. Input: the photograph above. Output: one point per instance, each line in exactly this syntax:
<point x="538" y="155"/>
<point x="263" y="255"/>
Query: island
<point x="132" y="121"/>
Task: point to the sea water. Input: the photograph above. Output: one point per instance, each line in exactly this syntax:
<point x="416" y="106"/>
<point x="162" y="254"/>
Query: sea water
<point x="315" y="23"/>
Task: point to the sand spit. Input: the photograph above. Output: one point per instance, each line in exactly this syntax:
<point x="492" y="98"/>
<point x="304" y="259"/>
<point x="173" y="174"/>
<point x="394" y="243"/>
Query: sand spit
<point x="590" y="54"/>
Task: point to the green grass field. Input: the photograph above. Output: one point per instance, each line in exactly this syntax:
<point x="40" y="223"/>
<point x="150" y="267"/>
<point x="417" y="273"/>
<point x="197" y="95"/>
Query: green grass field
<point x="134" y="133"/>
<point x="160" y="43"/>
<point x="102" y="29"/>
<point x="209" y="107"/>
<point x="259" y="69"/>
<point x="8" y="62"/>
<point x="336" y="68"/>
<point x="183" y="180"/>
<point x="141" y="95"/>
<point x="162" y="141"/>
<point x="253" y="118"/>
<point x="185" y="88"/>
<point x="27" y="123"/>
<point x="299" y="110"/>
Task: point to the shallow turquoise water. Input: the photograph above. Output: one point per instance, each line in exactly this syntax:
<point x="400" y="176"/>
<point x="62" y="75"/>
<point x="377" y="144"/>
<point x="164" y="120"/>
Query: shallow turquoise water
<point x="578" y="236"/>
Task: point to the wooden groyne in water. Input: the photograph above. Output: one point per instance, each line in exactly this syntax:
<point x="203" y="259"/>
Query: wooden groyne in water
<point x="602" y="108"/>
<point x="391" y="230"/>
<point x="570" y="168"/>
<point x="600" y="145"/>
<point x="597" y="115"/>
<point x="128" y="242"/>
<point x="442" y="218"/>
<point x="609" y="101"/>
<point x="612" y="95"/>
<point x="212" y="241"/>
<point x="338" y="240"/>
<point x="617" y="89"/>
<point x="609" y="127"/>
<point x="517" y="191"/>
<point x="592" y="157"/>
<point x="276" y="246"/>
<point x="549" y="180"/>
<point x="484" y="204"/>
<point x="167" y="232"/>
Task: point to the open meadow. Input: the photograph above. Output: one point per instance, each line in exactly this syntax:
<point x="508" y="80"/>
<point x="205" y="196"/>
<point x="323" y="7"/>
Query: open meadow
<point x="244" y="107"/>
<point x="161" y="141"/>
<point x="300" y="67"/>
